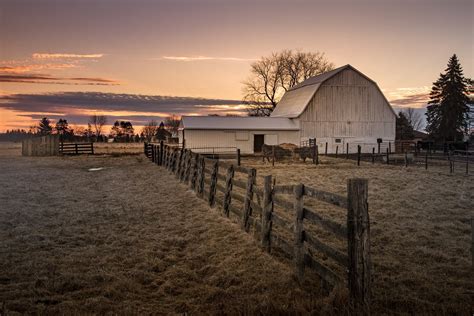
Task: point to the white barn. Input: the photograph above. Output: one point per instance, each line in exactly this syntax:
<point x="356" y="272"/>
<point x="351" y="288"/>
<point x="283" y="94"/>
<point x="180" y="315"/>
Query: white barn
<point x="339" y="107"/>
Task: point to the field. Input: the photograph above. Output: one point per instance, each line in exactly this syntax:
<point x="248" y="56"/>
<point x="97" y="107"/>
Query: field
<point x="131" y="239"/>
<point x="420" y="229"/>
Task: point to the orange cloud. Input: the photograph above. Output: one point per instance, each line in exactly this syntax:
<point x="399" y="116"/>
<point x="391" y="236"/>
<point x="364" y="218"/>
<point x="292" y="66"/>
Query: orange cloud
<point x="35" y="67"/>
<point x="57" y="56"/>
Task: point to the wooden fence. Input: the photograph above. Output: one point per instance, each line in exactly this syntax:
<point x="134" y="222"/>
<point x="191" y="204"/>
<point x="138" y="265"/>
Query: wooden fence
<point x="218" y="182"/>
<point x="41" y="146"/>
<point x="76" y="148"/>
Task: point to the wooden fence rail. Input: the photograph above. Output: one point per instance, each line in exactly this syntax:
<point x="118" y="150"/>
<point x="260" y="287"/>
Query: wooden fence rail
<point x="208" y="177"/>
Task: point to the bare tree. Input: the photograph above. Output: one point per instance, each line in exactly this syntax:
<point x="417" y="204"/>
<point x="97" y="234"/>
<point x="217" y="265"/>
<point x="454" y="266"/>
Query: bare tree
<point x="414" y="118"/>
<point x="270" y="77"/>
<point x="98" y="121"/>
<point x="172" y="123"/>
<point x="150" y="129"/>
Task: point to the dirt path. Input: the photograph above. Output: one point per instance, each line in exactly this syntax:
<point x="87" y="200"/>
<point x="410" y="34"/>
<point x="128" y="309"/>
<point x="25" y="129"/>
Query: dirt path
<point x="128" y="239"/>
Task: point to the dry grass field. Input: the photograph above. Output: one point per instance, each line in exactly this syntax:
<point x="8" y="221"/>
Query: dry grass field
<point x="130" y="239"/>
<point x="420" y="229"/>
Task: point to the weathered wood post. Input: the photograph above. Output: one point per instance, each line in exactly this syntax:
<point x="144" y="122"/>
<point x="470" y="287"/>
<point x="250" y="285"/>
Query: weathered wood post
<point x="178" y="163"/>
<point x="152" y="153"/>
<point x="406" y="159"/>
<point x="273" y="156"/>
<point x="213" y="185"/>
<point x="378" y="146"/>
<point x="326" y="149"/>
<point x="317" y="154"/>
<point x="313" y="152"/>
<point x="201" y="175"/>
<point x="388" y="156"/>
<point x="160" y="159"/>
<point x="194" y="171"/>
<point x="337" y="149"/>
<point x="298" y="231"/>
<point x="77" y="151"/>
<point x="267" y="210"/>
<point x="228" y="189"/>
<point x="426" y="160"/>
<point x="251" y="177"/>
<point x="358" y="154"/>
<point x="92" y="148"/>
<point x="373" y="154"/>
<point x="347" y="150"/>
<point x="389" y="147"/>
<point x="358" y="235"/>
<point x="238" y="156"/>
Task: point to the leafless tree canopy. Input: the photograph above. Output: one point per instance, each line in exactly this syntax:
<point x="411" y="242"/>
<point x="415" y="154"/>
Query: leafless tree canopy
<point x="270" y="77"/>
<point x="172" y="123"/>
<point x="414" y="118"/>
<point x="150" y="129"/>
<point x="98" y="122"/>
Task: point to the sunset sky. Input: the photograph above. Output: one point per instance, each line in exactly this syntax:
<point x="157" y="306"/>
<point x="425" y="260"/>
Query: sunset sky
<point x="139" y="59"/>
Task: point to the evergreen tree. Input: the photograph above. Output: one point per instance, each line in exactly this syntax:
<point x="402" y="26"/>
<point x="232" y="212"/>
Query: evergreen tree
<point x="447" y="112"/>
<point x="404" y="130"/>
<point x="62" y="128"/>
<point x="45" y="127"/>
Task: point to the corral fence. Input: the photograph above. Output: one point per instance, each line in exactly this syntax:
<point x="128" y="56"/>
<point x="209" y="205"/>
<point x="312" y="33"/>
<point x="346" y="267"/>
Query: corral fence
<point x="76" y="148"/>
<point x="40" y="146"/>
<point x="406" y="154"/>
<point x="219" y="183"/>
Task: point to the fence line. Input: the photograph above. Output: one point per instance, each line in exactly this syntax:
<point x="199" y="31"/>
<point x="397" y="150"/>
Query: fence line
<point x="212" y="178"/>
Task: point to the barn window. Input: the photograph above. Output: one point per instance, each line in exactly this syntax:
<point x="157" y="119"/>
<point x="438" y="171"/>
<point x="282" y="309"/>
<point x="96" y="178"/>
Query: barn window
<point x="338" y="140"/>
<point x="242" y="135"/>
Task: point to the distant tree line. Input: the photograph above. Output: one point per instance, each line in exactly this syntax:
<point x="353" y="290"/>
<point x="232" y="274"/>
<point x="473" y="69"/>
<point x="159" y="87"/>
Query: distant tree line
<point x="121" y="131"/>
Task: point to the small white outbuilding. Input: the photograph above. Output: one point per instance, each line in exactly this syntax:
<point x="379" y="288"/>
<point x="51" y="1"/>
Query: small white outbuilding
<point x="341" y="107"/>
<point x="202" y="133"/>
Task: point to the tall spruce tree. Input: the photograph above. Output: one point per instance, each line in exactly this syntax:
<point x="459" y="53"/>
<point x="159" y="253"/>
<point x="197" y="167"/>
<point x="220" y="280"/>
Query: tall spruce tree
<point x="447" y="112"/>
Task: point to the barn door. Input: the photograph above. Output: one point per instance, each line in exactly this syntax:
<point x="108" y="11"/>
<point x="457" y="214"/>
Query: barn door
<point x="258" y="141"/>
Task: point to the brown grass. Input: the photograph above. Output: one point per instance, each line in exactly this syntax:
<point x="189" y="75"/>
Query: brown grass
<point x="420" y="229"/>
<point x="130" y="239"/>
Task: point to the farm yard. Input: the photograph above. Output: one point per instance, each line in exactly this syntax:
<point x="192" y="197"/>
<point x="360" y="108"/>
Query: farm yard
<point x="131" y="238"/>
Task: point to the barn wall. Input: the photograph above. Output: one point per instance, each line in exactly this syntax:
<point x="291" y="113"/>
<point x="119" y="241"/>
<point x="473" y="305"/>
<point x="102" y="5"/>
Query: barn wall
<point x="201" y="139"/>
<point x="350" y="109"/>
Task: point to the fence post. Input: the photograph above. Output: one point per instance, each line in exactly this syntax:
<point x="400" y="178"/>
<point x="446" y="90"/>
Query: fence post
<point x="337" y="149"/>
<point x="92" y="148"/>
<point x="406" y="159"/>
<point x="373" y="154"/>
<point x="267" y="210"/>
<point x="378" y="146"/>
<point x="358" y="154"/>
<point x="313" y="153"/>
<point x="152" y="153"/>
<point x="358" y="231"/>
<point x="389" y="147"/>
<point x="201" y="175"/>
<point x="212" y="187"/>
<point x="77" y="151"/>
<point x="160" y="159"/>
<point x="426" y="160"/>
<point x="298" y="231"/>
<point x="388" y="157"/>
<point x="238" y="156"/>
<point x="273" y="155"/>
<point x="228" y="189"/>
<point x="347" y="150"/>
<point x="326" y="149"/>
<point x="252" y="174"/>
<point x="195" y="172"/>
<point x="317" y="154"/>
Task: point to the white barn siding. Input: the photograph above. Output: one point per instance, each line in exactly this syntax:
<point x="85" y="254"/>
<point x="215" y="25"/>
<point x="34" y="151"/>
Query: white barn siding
<point x="202" y="139"/>
<point x="351" y="108"/>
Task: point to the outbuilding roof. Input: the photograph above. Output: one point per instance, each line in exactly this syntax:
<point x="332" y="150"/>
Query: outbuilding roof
<point x="296" y="99"/>
<point x="238" y="123"/>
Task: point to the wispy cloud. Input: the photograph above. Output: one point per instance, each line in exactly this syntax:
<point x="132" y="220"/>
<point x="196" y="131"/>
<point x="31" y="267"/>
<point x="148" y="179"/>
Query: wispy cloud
<point x="202" y="58"/>
<point x="36" y="67"/>
<point x="60" y="55"/>
<point x="47" y="79"/>
<point x="415" y="97"/>
<point x="77" y="106"/>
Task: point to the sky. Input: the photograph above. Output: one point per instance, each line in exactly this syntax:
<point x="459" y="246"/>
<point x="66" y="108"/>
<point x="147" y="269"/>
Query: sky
<point x="142" y="59"/>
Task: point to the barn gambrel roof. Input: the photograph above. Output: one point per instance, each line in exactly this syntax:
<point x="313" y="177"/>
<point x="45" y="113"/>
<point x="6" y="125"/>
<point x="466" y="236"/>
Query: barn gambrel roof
<point x="295" y="100"/>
